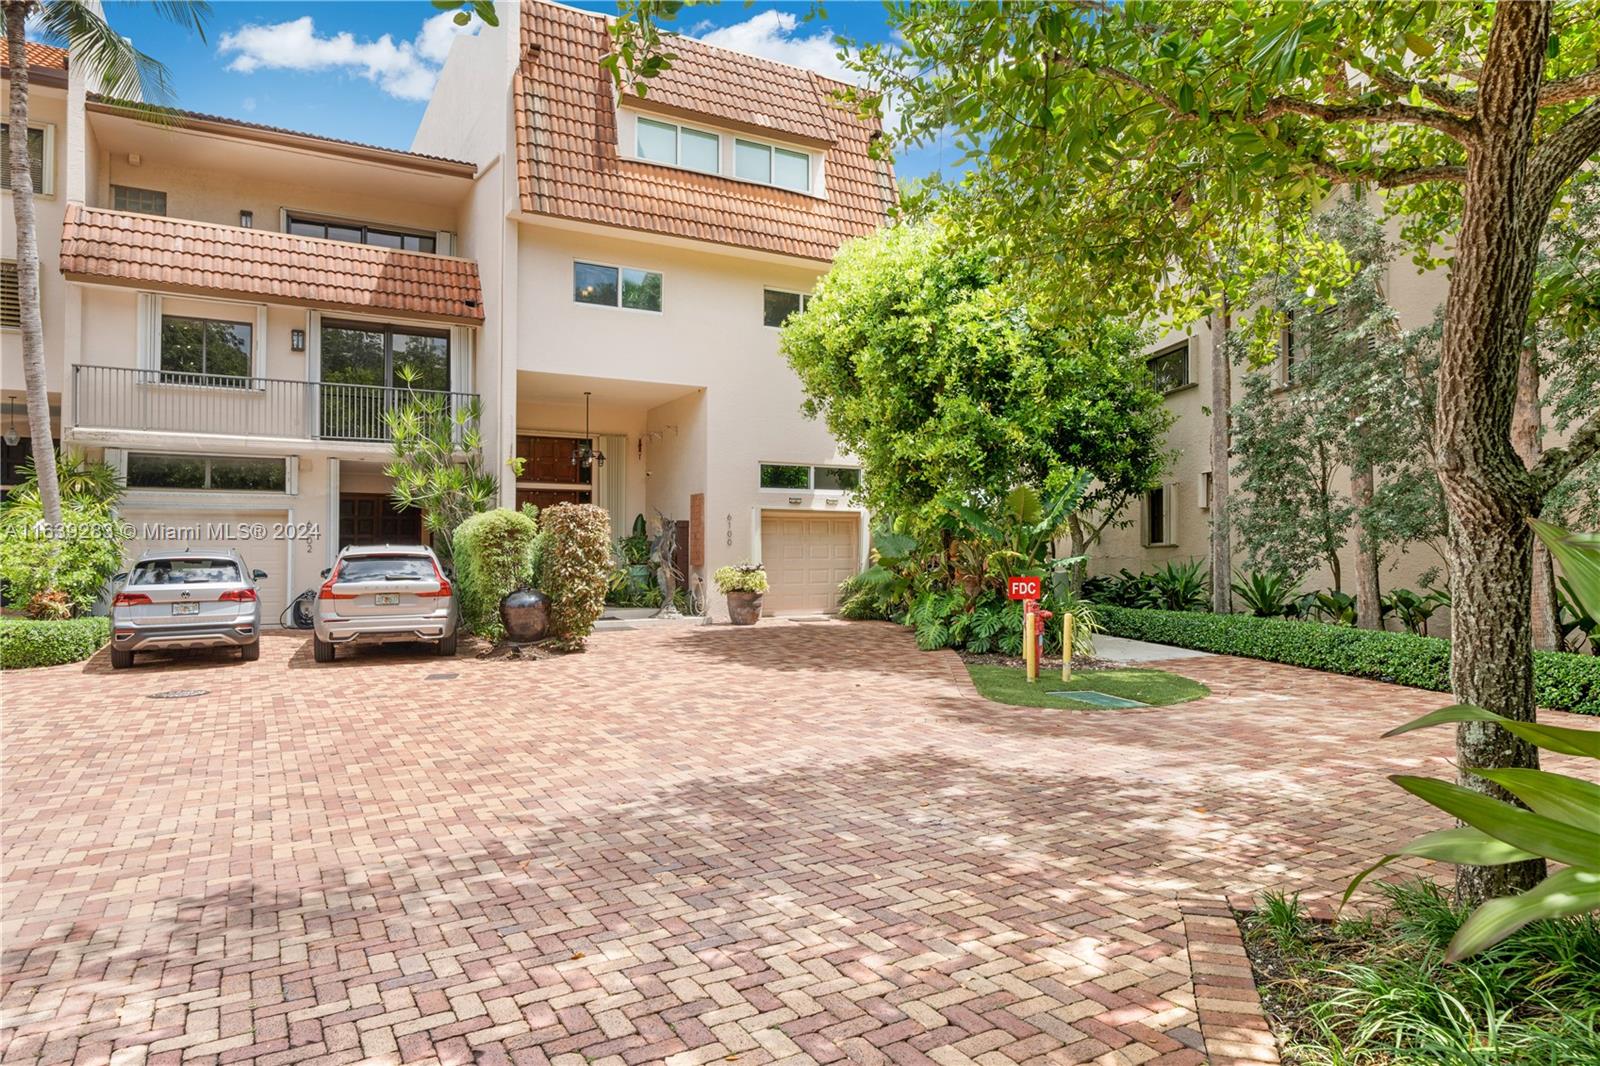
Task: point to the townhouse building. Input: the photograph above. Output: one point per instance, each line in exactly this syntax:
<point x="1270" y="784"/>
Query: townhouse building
<point x="231" y="308"/>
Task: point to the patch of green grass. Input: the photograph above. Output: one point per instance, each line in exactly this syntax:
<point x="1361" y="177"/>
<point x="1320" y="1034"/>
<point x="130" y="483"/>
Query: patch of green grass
<point x="1377" y="991"/>
<point x="1009" y="684"/>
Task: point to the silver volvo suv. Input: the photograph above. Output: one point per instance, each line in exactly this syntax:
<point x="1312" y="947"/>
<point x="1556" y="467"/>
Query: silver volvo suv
<point x="381" y="593"/>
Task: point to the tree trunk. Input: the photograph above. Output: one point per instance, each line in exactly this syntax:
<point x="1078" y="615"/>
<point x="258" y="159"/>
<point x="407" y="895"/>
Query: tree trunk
<point x="1527" y="436"/>
<point x="1221" y="439"/>
<point x="1488" y="491"/>
<point x="33" y="370"/>
<point x="1369" y="605"/>
<point x="1079" y="546"/>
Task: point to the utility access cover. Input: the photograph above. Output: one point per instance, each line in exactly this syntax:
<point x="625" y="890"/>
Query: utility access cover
<point x="1097" y="699"/>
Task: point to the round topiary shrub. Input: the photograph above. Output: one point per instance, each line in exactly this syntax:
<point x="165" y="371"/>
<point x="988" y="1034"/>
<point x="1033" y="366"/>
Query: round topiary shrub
<point x="494" y="553"/>
<point x="574" y="568"/>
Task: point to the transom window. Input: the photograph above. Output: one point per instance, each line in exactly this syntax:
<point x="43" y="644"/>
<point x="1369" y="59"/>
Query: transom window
<point x="144" y="201"/>
<point x="771" y="165"/>
<point x="777" y="305"/>
<point x="802" y="477"/>
<point x="1169" y="368"/>
<point x="149" y="470"/>
<point x="40" y="140"/>
<point x="205" y="351"/>
<point x="361" y="233"/>
<point x="367" y="353"/>
<point x="609" y="286"/>
<point x="679" y="146"/>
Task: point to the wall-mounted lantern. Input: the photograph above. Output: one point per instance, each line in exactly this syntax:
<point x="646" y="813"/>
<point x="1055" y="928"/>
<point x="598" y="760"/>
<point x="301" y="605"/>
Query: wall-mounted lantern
<point x="247" y="219"/>
<point x="297" y="340"/>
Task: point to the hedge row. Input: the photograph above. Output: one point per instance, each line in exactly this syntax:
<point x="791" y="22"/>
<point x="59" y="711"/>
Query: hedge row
<point x="25" y="642"/>
<point x="1561" y="680"/>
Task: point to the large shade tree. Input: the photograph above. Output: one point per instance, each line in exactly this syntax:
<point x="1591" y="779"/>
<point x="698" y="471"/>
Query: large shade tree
<point x="117" y="69"/>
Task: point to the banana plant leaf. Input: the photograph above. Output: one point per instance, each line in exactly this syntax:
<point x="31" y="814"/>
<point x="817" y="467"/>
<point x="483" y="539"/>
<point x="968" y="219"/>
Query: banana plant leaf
<point x="1579" y="556"/>
<point x="1557" y="796"/>
<point x="1570" y="844"/>
<point x="1552" y="738"/>
<point x="1463" y="845"/>
<point x="1563" y="893"/>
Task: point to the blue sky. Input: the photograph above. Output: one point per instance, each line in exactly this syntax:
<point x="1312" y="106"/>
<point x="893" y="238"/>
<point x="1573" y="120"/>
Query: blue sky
<point x="362" y="71"/>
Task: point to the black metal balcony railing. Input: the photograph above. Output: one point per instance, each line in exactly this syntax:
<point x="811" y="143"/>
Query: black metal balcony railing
<point x="115" y="397"/>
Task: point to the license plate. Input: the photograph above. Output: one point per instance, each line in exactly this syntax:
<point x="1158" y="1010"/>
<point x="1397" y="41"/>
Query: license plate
<point x="387" y="599"/>
<point x="186" y="608"/>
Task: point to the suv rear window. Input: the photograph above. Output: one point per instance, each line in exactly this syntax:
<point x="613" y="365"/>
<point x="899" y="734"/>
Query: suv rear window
<point x="184" y="572"/>
<point x="387" y="568"/>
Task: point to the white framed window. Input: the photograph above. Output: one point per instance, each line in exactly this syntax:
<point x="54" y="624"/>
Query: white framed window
<point x="206" y="351"/>
<point x="777" y="305"/>
<point x="768" y="164"/>
<point x="1157" y="522"/>
<point x="41" y="155"/>
<point x="679" y="146"/>
<point x="798" y="477"/>
<point x="611" y="286"/>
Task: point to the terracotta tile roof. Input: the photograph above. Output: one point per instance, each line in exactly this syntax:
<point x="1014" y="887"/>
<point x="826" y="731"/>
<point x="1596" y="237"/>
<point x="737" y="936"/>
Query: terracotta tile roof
<point x="40" y="56"/>
<point x="187" y="256"/>
<point x="568" y="165"/>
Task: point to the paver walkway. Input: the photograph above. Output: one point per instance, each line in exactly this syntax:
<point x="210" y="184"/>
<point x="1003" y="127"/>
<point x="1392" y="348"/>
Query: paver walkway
<point x="802" y="842"/>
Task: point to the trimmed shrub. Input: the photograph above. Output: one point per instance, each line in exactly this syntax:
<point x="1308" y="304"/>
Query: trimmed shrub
<point x="25" y="642"/>
<point x="574" y="567"/>
<point x="1561" y="680"/>
<point x="494" y="553"/>
<point x="51" y="570"/>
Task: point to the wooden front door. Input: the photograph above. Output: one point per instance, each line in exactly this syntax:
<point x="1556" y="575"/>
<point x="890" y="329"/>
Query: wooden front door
<point x="372" y="518"/>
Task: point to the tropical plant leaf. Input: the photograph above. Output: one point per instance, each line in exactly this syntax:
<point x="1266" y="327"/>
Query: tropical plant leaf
<point x="1563" y="893"/>
<point x="1579" y="557"/>
<point x="1584" y="742"/>
<point x="1557" y="796"/>
<point x="1462" y="845"/>
<point x="1523" y="829"/>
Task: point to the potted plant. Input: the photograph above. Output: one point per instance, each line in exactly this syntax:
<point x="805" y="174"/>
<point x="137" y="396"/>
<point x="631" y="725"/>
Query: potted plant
<point x="743" y="584"/>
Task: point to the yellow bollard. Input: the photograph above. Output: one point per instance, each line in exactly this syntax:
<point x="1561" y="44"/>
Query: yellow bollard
<point x="1030" y="644"/>
<point x="1066" y="647"/>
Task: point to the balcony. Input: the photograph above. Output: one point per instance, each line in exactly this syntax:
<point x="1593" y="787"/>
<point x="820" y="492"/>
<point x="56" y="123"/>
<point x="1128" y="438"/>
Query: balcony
<point x="132" y="399"/>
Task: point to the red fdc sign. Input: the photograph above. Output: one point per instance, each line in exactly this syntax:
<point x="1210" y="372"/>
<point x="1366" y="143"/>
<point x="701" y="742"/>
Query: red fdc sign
<point x="1023" y="588"/>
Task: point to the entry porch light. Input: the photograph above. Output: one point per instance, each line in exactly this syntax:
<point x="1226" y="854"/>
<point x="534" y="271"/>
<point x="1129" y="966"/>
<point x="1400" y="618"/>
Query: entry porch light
<point x="585" y="455"/>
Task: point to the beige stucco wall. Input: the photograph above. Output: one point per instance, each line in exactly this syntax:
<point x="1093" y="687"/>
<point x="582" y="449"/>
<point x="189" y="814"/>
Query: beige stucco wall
<point x="47" y="107"/>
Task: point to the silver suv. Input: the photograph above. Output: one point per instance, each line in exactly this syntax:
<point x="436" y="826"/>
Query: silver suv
<point x="384" y="593"/>
<point x="198" y="598"/>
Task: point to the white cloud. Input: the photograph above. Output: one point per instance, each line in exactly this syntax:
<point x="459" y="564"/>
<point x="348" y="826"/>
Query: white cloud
<point x="403" y="69"/>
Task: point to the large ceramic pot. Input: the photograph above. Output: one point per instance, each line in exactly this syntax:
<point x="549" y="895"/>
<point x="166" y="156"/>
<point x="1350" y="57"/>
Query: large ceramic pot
<point x="744" y="608"/>
<point x="526" y="615"/>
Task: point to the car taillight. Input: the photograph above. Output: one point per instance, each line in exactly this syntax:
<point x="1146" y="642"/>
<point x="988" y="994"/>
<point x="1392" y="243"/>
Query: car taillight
<point x="129" y="599"/>
<point x="444" y="584"/>
<point x="327" y="593"/>
<point x="239" y="595"/>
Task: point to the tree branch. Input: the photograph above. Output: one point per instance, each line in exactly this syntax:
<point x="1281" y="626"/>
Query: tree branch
<point x="1559" y="156"/>
<point x="1457" y="101"/>
<point x="1388" y="113"/>
<point x="1557" y="463"/>
<point x="1569" y="90"/>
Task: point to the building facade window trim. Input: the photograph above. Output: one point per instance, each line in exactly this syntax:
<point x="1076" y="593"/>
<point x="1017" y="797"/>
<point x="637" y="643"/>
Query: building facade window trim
<point x="45" y="163"/>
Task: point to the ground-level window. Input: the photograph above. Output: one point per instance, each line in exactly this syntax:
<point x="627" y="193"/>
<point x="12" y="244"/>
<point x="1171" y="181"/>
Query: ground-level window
<point x="152" y="470"/>
<point x="609" y="286"/>
<point x="205" y="351"/>
<point x="777" y="305"/>
<point x="1159" y="504"/>
<point x="1169" y="368"/>
<point x="144" y="201"/>
<point x="821" y="478"/>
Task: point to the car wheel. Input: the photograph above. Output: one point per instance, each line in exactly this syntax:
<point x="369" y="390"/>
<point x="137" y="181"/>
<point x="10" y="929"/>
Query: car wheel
<point x="121" y="660"/>
<point x="321" y="650"/>
<point x="250" y="652"/>
<point x="447" y="646"/>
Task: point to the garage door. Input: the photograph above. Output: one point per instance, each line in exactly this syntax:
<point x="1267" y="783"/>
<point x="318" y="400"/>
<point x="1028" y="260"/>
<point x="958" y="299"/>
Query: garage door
<point x="806" y="557"/>
<point x="219" y="529"/>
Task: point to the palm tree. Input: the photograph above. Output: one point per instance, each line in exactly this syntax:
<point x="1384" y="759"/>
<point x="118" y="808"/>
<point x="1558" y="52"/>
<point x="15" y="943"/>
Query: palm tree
<point x="123" y="72"/>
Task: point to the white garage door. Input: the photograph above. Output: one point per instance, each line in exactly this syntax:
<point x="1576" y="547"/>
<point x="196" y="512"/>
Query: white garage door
<point x="806" y="557"/>
<point x="205" y="529"/>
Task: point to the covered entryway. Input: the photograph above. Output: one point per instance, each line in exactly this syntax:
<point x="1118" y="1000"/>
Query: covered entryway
<point x="261" y="537"/>
<point x="806" y="556"/>
<point x="372" y="518"/>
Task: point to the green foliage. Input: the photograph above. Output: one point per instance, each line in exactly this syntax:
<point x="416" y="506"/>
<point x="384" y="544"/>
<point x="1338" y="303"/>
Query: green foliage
<point x="1266" y="594"/>
<point x="1376" y="991"/>
<point x="465" y="9"/>
<point x="1414" y="609"/>
<point x="573" y="567"/>
<point x="438" y="462"/>
<point x="1175" y="587"/>
<point x="84" y="480"/>
<point x="45" y="567"/>
<point x="1017" y="535"/>
<point x="26" y="642"/>
<point x="495" y="553"/>
<point x="744" y="577"/>
<point x="1281" y="917"/>
<point x="948" y="388"/>
<point x="1561" y="681"/>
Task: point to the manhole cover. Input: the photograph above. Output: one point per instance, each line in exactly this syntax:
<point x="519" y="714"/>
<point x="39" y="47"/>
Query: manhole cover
<point x="179" y="694"/>
<point x="441" y="677"/>
<point x="1096" y="699"/>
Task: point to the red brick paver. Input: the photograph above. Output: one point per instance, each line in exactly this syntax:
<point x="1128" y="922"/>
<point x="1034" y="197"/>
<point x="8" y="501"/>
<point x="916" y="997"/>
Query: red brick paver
<point x="801" y="843"/>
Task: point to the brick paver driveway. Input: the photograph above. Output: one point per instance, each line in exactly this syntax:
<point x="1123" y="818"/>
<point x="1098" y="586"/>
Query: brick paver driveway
<point x="798" y="842"/>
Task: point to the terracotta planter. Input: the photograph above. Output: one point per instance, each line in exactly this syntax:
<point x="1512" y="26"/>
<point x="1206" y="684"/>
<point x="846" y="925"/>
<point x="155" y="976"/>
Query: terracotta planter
<point x="526" y="615"/>
<point x="744" y="608"/>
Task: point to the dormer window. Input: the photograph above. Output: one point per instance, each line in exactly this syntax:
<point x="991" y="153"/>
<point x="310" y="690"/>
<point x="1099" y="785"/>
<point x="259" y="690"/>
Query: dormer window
<point x="771" y="165"/>
<point x="678" y="146"/>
